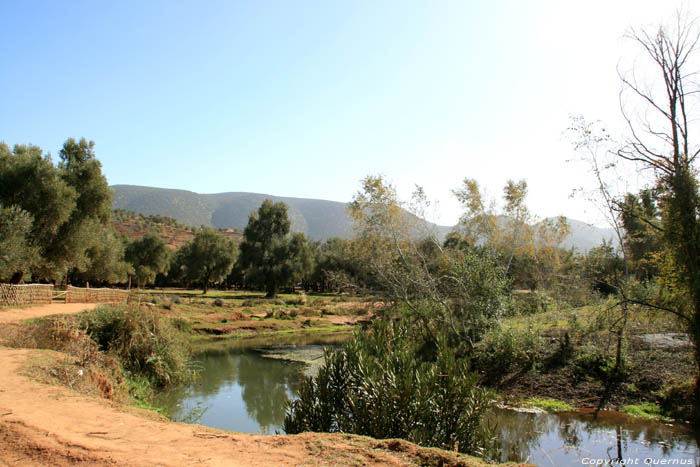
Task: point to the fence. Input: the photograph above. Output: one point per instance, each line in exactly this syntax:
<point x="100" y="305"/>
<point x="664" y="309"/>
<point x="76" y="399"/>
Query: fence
<point x="24" y="294"/>
<point x="84" y="295"/>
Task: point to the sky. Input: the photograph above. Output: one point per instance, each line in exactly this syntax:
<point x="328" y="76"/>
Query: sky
<point x="306" y="98"/>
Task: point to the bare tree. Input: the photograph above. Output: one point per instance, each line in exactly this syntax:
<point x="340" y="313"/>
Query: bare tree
<point x="661" y="141"/>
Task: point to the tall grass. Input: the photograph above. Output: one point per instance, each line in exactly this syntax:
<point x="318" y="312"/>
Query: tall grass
<point x="385" y="384"/>
<point x="147" y="343"/>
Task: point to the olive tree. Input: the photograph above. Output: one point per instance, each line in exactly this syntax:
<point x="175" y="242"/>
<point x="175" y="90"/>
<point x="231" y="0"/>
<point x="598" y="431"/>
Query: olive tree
<point x="269" y="257"/>
<point x="207" y="258"/>
<point x="148" y="256"/>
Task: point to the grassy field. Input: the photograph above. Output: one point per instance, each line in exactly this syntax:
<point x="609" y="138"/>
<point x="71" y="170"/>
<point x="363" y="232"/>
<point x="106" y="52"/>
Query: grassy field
<point x="220" y="315"/>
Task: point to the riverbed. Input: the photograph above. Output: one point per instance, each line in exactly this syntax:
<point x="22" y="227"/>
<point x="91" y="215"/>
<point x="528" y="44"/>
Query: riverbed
<point x="244" y="387"/>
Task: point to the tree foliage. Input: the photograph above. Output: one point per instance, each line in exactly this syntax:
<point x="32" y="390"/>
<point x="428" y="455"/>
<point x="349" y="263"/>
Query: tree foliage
<point x="17" y="254"/>
<point x="207" y="258"/>
<point x="269" y="257"/>
<point x="459" y="290"/>
<point x="527" y="248"/>
<point x="148" y="256"/>
<point x="69" y="205"/>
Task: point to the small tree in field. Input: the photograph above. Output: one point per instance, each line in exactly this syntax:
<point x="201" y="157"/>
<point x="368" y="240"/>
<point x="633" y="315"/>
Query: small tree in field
<point x="207" y="258"/>
<point x="149" y="257"/>
<point x="269" y="258"/>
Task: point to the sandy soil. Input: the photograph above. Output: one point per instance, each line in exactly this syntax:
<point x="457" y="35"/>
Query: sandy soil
<point x="8" y="315"/>
<point x="51" y="425"/>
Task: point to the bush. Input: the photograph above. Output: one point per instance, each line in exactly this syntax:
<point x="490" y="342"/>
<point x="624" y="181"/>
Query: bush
<point x="378" y="385"/>
<point x="528" y="303"/>
<point x="596" y="363"/>
<point x="505" y="350"/>
<point x="296" y="300"/>
<point x="146" y="343"/>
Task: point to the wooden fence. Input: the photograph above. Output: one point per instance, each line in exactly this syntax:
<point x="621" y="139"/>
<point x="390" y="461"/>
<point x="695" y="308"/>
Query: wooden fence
<point x="25" y="294"/>
<point x="85" y="295"/>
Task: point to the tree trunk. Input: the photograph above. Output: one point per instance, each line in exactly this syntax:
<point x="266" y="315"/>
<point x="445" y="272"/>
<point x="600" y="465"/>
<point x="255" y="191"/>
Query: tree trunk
<point x="271" y="291"/>
<point x="17" y="278"/>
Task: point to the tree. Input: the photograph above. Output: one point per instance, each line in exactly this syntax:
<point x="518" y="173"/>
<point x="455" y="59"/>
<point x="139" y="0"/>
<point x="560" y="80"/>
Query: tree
<point x="207" y="258"/>
<point x="106" y="260"/>
<point x="17" y="254"/>
<point x="269" y="258"/>
<point x="80" y="169"/>
<point x="513" y="235"/>
<point x="640" y="218"/>
<point x="457" y="290"/>
<point x="31" y="182"/>
<point x="661" y="141"/>
<point x="149" y="256"/>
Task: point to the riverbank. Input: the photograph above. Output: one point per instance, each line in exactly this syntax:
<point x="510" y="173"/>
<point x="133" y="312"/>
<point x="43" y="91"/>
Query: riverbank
<point x="43" y="424"/>
<point x="569" y="355"/>
<point x="44" y="420"/>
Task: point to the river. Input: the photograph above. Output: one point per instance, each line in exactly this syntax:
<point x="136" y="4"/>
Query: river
<point x="244" y="387"/>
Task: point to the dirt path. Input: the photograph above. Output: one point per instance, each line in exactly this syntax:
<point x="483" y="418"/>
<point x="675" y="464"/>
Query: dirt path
<point x="52" y="425"/>
<point x="8" y="315"/>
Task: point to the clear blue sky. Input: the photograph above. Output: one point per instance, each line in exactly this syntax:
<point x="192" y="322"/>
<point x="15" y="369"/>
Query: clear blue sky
<point x="305" y="98"/>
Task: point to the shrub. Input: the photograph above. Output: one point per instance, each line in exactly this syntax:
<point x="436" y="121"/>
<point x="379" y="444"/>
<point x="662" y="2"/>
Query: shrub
<point x="505" y="350"/>
<point x="378" y="385"/>
<point x="146" y="343"/>
<point x="296" y="300"/>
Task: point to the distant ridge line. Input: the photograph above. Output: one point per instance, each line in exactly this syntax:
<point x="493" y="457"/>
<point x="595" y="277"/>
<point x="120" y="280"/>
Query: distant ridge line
<point x="317" y="218"/>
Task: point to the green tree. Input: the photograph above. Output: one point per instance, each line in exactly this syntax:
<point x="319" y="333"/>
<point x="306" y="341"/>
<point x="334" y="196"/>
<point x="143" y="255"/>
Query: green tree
<point x="642" y="224"/>
<point x="148" y="256"/>
<point x="513" y="234"/>
<point x="17" y="255"/>
<point x="106" y="260"/>
<point x="30" y="181"/>
<point x="463" y="289"/>
<point x="269" y="258"/>
<point x="81" y="170"/>
<point x="207" y="258"/>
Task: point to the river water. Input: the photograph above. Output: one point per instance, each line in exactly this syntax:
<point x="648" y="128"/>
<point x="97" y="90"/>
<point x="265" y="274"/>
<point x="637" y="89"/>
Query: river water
<point x="244" y="387"/>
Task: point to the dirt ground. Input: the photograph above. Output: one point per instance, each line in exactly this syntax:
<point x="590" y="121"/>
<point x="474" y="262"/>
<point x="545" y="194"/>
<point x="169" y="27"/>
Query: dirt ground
<point x="8" y="315"/>
<point x="51" y="425"/>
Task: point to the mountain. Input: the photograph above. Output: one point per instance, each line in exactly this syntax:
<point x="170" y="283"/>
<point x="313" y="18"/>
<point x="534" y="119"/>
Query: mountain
<point x="585" y="236"/>
<point x="318" y="219"/>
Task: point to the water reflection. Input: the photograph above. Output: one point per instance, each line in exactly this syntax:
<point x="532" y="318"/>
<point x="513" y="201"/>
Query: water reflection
<point x="242" y="391"/>
<point x="569" y="438"/>
<point x="237" y="389"/>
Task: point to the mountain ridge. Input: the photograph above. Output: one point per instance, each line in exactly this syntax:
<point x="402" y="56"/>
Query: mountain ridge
<point x="317" y="218"/>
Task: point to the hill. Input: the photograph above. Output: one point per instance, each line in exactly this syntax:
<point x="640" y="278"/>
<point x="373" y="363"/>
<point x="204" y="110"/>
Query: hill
<point x="174" y="234"/>
<point x="318" y="219"/>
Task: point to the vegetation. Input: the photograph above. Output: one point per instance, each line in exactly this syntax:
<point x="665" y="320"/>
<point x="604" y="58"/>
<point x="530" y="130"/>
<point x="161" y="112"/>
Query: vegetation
<point x="205" y="259"/>
<point x="384" y="384"/>
<point x="269" y="257"/>
<point x="124" y="352"/>
<point x="149" y="256"/>
<point x="497" y="303"/>
<point x="69" y="207"/>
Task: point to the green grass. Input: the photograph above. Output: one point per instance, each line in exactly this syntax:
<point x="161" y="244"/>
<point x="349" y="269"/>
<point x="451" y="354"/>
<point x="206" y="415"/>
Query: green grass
<point x="646" y="410"/>
<point x="549" y="405"/>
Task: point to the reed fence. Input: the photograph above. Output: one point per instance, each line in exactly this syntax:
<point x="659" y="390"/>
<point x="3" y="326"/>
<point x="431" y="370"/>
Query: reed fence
<point x="87" y="295"/>
<point x="25" y="294"/>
